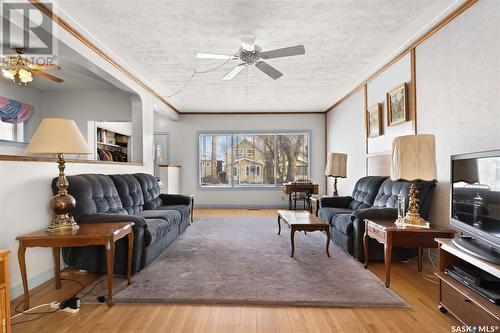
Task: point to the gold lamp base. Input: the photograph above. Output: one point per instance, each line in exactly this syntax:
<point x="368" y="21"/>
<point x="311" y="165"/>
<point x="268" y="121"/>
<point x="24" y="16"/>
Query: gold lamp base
<point x="62" y="203"/>
<point x="412" y="217"/>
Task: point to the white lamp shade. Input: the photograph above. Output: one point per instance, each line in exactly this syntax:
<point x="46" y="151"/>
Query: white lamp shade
<point x="414" y="158"/>
<point x="58" y="136"/>
<point x="336" y="165"/>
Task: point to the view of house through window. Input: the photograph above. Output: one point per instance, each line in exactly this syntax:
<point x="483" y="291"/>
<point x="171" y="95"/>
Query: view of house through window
<point x="253" y="159"/>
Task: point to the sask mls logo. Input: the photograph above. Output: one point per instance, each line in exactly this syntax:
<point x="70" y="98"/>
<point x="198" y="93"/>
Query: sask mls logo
<point x="26" y="28"/>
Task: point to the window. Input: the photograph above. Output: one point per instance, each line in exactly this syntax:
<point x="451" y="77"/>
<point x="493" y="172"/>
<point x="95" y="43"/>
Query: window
<point x="11" y="132"/>
<point x="267" y="159"/>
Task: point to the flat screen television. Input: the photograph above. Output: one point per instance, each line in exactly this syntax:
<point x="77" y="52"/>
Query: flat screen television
<point x="475" y="203"/>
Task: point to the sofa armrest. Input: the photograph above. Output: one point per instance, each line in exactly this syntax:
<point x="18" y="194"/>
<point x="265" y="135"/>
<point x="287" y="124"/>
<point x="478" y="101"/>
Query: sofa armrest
<point x="376" y="214"/>
<point x="138" y="229"/>
<point x="335" y="202"/>
<point x="175" y="199"/>
<point x="139" y="221"/>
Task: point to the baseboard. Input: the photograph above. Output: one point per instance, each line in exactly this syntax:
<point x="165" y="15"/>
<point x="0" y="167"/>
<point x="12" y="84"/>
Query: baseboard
<point x="33" y="282"/>
<point x="240" y="206"/>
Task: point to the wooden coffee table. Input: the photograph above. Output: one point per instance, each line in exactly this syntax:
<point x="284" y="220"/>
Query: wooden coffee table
<point x="302" y="220"/>
<point x="105" y="234"/>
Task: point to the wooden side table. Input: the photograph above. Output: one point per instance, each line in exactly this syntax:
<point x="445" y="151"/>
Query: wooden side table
<point x="105" y="234"/>
<point x="389" y="234"/>
<point x="4" y="292"/>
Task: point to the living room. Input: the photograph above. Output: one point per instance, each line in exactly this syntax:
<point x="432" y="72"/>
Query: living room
<point x="207" y="153"/>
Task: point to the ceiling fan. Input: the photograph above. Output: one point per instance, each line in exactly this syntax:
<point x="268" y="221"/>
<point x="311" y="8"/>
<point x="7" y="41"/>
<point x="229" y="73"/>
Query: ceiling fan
<point x="21" y="69"/>
<point x="251" y="54"/>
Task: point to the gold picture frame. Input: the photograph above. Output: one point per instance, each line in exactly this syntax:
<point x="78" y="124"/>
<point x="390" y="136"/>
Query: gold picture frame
<point x="397" y="105"/>
<point x="374" y="121"/>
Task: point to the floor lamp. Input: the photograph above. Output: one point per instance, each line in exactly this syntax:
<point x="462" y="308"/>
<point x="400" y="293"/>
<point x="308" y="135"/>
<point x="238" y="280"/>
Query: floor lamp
<point x="336" y="167"/>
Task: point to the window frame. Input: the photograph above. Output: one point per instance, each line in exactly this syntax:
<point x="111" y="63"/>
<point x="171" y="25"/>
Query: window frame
<point x="231" y="185"/>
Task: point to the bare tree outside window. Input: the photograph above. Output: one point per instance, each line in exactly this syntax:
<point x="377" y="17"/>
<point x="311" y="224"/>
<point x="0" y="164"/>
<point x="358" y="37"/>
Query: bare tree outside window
<point x="253" y="159"/>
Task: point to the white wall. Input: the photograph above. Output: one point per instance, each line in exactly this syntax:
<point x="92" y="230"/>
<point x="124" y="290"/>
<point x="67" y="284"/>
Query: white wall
<point x="85" y="105"/>
<point x="183" y="151"/>
<point x="346" y="134"/>
<point x="458" y="91"/>
<point x="25" y="186"/>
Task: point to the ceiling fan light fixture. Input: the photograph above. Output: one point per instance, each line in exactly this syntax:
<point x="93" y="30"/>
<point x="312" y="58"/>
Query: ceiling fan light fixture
<point x="25" y="76"/>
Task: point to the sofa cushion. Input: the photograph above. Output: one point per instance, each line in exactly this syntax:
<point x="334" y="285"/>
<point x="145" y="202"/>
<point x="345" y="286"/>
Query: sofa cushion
<point x="365" y="191"/>
<point x="343" y="223"/>
<point x="94" y="194"/>
<point x="387" y="195"/>
<point x="182" y="209"/>
<point x="156" y="229"/>
<point x="130" y="192"/>
<point x="150" y="190"/>
<point x="327" y="213"/>
<point x="172" y="216"/>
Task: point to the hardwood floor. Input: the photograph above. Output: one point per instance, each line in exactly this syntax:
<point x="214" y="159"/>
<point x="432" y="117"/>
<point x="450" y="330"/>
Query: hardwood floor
<point x="418" y="291"/>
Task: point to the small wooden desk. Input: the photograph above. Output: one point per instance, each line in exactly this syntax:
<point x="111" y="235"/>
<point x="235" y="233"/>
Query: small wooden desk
<point x="302" y="220"/>
<point x="287" y="189"/>
<point x="389" y="234"/>
<point x="105" y="234"/>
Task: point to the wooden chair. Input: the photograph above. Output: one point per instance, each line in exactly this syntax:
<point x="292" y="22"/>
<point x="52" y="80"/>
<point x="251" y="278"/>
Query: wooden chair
<point x="301" y="191"/>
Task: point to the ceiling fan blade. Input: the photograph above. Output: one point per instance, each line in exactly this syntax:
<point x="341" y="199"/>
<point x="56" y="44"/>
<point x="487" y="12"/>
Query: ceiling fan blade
<point x="247" y="40"/>
<point x="269" y="70"/>
<point x="234" y="72"/>
<point x="215" y="56"/>
<point x="34" y="66"/>
<point x="284" y="52"/>
<point x="47" y="76"/>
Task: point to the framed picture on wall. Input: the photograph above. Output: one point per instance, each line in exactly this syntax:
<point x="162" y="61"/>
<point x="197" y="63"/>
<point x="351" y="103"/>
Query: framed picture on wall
<point x="374" y="121"/>
<point x="397" y="105"/>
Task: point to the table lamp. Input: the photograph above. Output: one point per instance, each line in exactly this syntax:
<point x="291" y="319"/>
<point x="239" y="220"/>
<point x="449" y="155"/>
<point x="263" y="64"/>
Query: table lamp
<point x="336" y="167"/>
<point x="414" y="159"/>
<point x="59" y="136"/>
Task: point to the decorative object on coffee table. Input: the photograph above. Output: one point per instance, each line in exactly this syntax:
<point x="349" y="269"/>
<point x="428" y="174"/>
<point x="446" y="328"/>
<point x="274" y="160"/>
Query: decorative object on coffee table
<point x="59" y="136"/>
<point x="374" y="121"/>
<point x="302" y="220"/>
<point x="103" y="233"/>
<point x="390" y="235"/>
<point x="414" y="159"/>
<point x="336" y="167"/>
<point x="397" y="105"/>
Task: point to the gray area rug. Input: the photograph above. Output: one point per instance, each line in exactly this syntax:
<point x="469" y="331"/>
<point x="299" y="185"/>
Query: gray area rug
<point x="241" y="260"/>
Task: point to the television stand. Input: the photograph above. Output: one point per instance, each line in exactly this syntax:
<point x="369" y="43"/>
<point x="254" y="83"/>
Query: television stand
<point x="477" y="248"/>
<point x="469" y="307"/>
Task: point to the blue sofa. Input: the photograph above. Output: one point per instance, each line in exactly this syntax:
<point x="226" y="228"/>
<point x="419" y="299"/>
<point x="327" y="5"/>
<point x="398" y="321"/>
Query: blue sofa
<point x="158" y="218"/>
<point x="373" y="197"/>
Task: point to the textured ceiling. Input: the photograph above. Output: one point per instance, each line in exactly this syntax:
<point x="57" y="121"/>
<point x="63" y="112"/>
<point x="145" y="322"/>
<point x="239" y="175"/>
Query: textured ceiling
<point x="341" y="38"/>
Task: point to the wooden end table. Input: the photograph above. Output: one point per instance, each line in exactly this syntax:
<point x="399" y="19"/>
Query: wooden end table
<point x="389" y="234"/>
<point x="302" y="220"/>
<point x="105" y="234"/>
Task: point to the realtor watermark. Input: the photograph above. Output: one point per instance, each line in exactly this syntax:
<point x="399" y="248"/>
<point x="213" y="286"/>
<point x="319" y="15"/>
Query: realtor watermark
<point x="475" y="328"/>
<point x="28" y="31"/>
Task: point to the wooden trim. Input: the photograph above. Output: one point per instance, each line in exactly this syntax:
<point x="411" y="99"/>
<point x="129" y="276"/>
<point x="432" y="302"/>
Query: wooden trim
<point x="413" y="90"/>
<point x="419" y="41"/>
<point x="249" y="113"/>
<point x="72" y="31"/>
<point x="15" y="158"/>
<point x="365" y="92"/>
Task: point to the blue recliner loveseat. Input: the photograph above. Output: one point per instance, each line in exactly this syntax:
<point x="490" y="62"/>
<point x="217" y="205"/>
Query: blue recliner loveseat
<point x="373" y="197"/>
